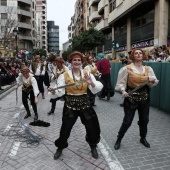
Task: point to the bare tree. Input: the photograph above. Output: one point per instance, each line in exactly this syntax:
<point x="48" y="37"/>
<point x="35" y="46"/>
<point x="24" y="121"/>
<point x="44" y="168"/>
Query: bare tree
<point x="8" y="24"/>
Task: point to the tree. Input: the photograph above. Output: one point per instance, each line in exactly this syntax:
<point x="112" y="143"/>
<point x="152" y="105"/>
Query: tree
<point x="66" y="53"/>
<point x="40" y="52"/>
<point x="8" y="24"/>
<point x="88" y="40"/>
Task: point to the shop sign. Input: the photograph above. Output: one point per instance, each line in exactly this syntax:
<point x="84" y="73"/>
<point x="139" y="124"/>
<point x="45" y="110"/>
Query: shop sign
<point x="108" y="51"/>
<point x="143" y="44"/>
<point x="123" y="48"/>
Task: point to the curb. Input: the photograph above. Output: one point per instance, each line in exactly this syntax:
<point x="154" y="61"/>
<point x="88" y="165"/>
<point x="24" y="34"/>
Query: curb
<point x="7" y="91"/>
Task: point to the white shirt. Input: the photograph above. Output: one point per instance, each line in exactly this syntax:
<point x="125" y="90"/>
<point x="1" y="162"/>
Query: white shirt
<point x="123" y="76"/>
<point x="38" y="70"/>
<point x="61" y="82"/>
<point x="33" y="81"/>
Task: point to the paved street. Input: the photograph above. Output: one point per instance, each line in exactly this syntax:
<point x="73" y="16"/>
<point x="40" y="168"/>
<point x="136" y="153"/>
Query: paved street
<point x="18" y="153"/>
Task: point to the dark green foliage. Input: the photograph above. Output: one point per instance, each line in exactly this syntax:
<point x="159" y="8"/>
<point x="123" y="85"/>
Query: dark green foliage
<point x="88" y="40"/>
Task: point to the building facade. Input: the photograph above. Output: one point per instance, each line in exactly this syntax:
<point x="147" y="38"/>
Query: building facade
<point x="53" y="37"/>
<point x="41" y="21"/>
<point x="19" y="14"/>
<point x="131" y="24"/>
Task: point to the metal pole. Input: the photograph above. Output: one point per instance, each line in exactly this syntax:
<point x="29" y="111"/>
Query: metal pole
<point x="16" y="39"/>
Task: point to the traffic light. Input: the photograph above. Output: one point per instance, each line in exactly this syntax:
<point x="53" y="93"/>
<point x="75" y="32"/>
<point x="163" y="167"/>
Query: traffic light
<point x="115" y="44"/>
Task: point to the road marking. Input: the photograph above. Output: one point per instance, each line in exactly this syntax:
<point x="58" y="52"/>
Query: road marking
<point x="8" y="128"/>
<point x="15" y="149"/>
<point x="16" y="115"/>
<point x="108" y="155"/>
<point x="22" y="106"/>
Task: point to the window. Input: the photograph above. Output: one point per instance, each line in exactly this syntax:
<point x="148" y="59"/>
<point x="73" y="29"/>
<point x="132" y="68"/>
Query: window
<point x="3" y="2"/>
<point x="112" y="5"/>
<point x="3" y="28"/>
<point x="3" y="15"/>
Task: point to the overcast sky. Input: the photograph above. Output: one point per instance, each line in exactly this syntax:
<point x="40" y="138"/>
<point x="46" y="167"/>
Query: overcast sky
<point x="61" y="12"/>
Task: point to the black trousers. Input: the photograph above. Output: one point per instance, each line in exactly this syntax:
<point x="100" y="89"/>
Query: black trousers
<point x="91" y="97"/>
<point x="106" y="81"/>
<point x="89" y="120"/>
<point x="129" y="110"/>
<point x="40" y="81"/>
<point x="53" y="103"/>
<point x="25" y="101"/>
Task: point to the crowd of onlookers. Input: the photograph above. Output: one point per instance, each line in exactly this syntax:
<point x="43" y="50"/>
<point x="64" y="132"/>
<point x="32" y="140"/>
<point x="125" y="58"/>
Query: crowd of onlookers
<point x="10" y="67"/>
<point x="9" y="70"/>
<point x="157" y="54"/>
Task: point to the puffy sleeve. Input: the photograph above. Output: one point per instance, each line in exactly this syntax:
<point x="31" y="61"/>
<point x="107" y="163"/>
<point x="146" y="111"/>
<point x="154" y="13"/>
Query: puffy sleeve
<point x="35" y="86"/>
<point x="87" y="68"/>
<point x="18" y="79"/>
<point x="151" y="74"/>
<point x="122" y="79"/>
<point x="59" y="92"/>
<point x="98" y="85"/>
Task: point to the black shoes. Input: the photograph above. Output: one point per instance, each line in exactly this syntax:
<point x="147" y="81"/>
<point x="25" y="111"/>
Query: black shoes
<point x="94" y="153"/>
<point x="27" y="115"/>
<point x="35" y="117"/>
<point x="108" y="96"/>
<point x="50" y="112"/>
<point x="57" y="154"/>
<point x="122" y="105"/>
<point x="117" y="144"/>
<point x="144" y="142"/>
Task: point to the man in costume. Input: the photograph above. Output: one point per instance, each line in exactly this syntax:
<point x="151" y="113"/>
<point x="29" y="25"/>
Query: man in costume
<point x="59" y="69"/>
<point x="29" y="88"/>
<point x="38" y="69"/>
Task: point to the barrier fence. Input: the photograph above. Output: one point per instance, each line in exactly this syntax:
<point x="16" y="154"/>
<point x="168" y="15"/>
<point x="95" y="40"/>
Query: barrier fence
<point x="160" y="94"/>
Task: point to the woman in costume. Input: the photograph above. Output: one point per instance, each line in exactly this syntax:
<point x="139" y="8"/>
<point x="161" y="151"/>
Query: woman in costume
<point x="130" y="77"/>
<point x="77" y="104"/>
<point x="29" y="87"/>
<point x="91" y="67"/>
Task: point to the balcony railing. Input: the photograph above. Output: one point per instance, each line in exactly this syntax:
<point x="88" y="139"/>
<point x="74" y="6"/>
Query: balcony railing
<point x="24" y="25"/>
<point x="103" y="24"/>
<point x="24" y="12"/>
<point x="94" y="16"/>
<point x="101" y="6"/>
<point x="25" y="37"/>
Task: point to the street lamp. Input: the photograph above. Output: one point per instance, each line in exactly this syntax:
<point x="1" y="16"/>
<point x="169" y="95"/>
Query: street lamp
<point x="15" y="31"/>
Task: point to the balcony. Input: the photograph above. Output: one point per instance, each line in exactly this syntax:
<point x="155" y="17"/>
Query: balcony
<point x="94" y="16"/>
<point x="24" y="25"/>
<point x="102" y="25"/>
<point x="25" y="37"/>
<point x="24" y="12"/>
<point x="25" y="1"/>
<point x="101" y="6"/>
<point x="93" y="2"/>
<point x="123" y="9"/>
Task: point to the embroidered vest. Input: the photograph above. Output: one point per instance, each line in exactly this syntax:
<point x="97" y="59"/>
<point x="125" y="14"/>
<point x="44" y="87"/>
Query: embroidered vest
<point x="135" y="79"/>
<point x="78" y="89"/>
<point x="26" y="85"/>
<point x="34" y="67"/>
<point x="93" y="69"/>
